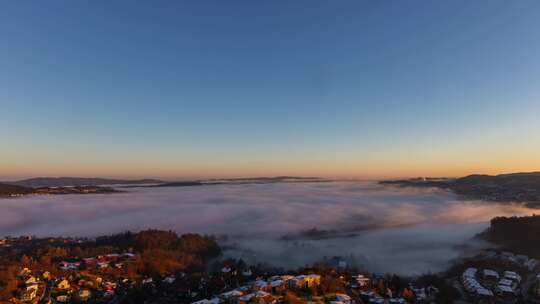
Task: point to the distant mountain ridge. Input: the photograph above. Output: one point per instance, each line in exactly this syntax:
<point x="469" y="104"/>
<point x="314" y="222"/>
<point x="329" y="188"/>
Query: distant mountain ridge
<point x="523" y="187"/>
<point x="237" y="181"/>
<point x="39" y="182"/>
<point x="77" y="181"/>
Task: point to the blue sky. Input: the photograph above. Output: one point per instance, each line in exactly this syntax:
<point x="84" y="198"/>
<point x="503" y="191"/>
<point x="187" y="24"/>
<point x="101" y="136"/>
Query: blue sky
<point x="229" y="88"/>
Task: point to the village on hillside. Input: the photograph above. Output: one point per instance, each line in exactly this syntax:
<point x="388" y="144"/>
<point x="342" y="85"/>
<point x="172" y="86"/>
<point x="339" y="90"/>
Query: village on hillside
<point x="118" y="277"/>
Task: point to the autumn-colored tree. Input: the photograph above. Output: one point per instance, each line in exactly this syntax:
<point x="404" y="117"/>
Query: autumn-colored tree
<point x="381" y="287"/>
<point x="330" y="284"/>
<point x="8" y="282"/>
<point x="197" y="244"/>
<point x="408" y="294"/>
<point x="292" y="298"/>
<point x="77" y="252"/>
<point x="56" y="252"/>
<point x="45" y="261"/>
<point x="25" y="261"/>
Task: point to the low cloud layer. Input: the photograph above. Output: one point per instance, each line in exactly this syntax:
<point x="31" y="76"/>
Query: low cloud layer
<point x="398" y="230"/>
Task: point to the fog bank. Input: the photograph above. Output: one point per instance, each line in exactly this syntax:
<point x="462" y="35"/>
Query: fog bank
<point x="385" y="229"/>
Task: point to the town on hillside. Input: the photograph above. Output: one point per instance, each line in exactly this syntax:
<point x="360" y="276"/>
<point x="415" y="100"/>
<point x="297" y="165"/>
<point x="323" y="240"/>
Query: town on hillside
<point x="161" y="267"/>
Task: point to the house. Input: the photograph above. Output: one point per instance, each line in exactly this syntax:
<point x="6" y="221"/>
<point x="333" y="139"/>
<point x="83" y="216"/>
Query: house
<point x="84" y="294"/>
<point x="63" y="284"/>
<point x="278" y="286"/>
<point x="483" y="292"/>
<point x="231" y="294"/>
<point x="470" y="273"/>
<point x="69" y="266"/>
<point x="507" y="282"/>
<point x="169" y="279"/>
<point x="31" y="280"/>
<point x="260" y="297"/>
<point x="98" y="280"/>
<point x="362" y="280"/>
<point x="509" y="257"/>
<point x="367" y="295"/>
<point x="490" y="275"/>
<point x="313" y="280"/>
<point x="109" y="285"/>
<point x="343" y="298"/>
<point x="505" y="290"/>
<point x="305" y="281"/>
<point x="82" y="282"/>
<point x="531" y="264"/>
<point x="205" y="301"/>
<point x="377" y="300"/>
<point x="90" y="261"/>
<point x="261" y="285"/>
<point x="294" y="282"/>
<point x="489" y="254"/>
<point x="62" y="298"/>
<point x="420" y="293"/>
<point x="24" y="272"/>
<point x="511" y="275"/>
<point x="113" y="256"/>
<point x="521" y="258"/>
<point x="245" y="298"/>
<point x="472" y="286"/>
<point x="29" y="294"/>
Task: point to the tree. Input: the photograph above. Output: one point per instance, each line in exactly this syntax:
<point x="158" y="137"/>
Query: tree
<point x="26" y="261"/>
<point x="292" y="298"/>
<point x="8" y="282"/>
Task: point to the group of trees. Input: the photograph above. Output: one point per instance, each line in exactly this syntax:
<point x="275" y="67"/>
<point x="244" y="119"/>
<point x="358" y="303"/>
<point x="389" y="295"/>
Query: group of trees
<point x="157" y="253"/>
<point x="160" y="239"/>
<point x="8" y="279"/>
<point x="516" y="234"/>
<point x="160" y="252"/>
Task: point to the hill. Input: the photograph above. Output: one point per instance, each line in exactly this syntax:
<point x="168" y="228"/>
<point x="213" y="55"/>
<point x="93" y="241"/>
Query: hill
<point x="237" y="181"/>
<point x="39" y="182"/>
<point x="516" y="234"/>
<point x="9" y="190"/>
<point x="514" y="187"/>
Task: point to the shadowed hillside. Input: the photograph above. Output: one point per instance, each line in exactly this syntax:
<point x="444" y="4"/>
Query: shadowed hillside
<point x="10" y="190"/>
<point x="39" y="182"/>
<point x="516" y="187"/>
<point x="516" y="234"/>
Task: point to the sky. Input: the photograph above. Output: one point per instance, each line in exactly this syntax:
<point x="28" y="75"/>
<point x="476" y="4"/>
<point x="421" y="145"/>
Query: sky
<point x="182" y="89"/>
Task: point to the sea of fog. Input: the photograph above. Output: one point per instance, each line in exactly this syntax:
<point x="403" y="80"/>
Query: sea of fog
<point x="381" y="229"/>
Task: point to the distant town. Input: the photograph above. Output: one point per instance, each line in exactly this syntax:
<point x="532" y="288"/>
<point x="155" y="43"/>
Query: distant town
<point x="515" y="187"/>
